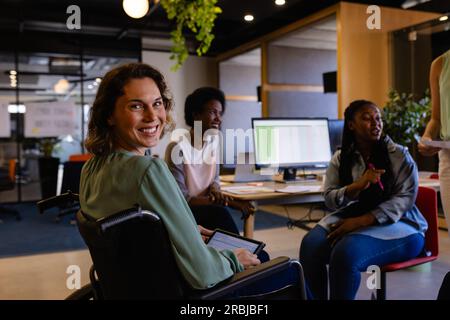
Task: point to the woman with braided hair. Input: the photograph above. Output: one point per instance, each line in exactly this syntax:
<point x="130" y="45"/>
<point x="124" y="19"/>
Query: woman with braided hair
<point x="371" y="184"/>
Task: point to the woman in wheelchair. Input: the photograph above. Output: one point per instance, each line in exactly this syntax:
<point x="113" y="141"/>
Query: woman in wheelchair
<point x="130" y="114"/>
<point x="372" y="184"/>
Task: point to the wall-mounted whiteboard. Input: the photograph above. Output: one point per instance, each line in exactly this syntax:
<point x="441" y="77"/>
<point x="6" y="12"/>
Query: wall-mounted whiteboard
<point x="50" y="119"/>
<point x="5" y="121"/>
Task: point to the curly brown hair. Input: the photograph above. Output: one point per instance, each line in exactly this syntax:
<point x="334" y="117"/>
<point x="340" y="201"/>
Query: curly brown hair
<point x="100" y="137"/>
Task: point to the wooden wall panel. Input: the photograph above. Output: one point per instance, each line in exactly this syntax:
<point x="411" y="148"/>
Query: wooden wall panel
<point x="363" y="55"/>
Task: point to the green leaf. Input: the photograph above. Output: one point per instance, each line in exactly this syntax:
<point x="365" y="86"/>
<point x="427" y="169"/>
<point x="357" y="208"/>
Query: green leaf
<point x="404" y="116"/>
<point x="197" y="16"/>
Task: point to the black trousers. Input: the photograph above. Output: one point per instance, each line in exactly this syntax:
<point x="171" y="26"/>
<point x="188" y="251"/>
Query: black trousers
<point x="214" y="217"/>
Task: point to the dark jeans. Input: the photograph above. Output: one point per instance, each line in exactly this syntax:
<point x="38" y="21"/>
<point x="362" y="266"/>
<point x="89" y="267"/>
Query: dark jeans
<point x="347" y="259"/>
<point x="214" y="217"/>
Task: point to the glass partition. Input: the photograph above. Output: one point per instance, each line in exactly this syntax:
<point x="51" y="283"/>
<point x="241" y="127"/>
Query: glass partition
<point x="413" y="50"/>
<point x="297" y="65"/>
<point x="47" y="97"/>
<point x="240" y="79"/>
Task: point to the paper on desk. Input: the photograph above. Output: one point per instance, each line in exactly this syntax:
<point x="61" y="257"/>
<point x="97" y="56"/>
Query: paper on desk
<point x="437" y="144"/>
<point x="246" y="189"/>
<point x="299" y="189"/>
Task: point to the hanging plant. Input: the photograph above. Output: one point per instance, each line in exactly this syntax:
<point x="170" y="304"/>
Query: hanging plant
<point x="197" y="16"/>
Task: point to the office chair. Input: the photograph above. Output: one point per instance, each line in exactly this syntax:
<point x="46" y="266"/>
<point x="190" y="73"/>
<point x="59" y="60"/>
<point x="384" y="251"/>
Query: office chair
<point x="65" y="200"/>
<point x="427" y="203"/>
<point x="70" y="184"/>
<point x="7" y="182"/>
<point x="80" y="157"/>
<point x="132" y="259"/>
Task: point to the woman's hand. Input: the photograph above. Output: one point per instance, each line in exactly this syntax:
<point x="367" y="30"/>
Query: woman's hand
<point x="216" y="196"/>
<point x="369" y="177"/>
<point x="425" y="150"/>
<point x="348" y="225"/>
<point x="246" y="207"/>
<point x="246" y="258"/>
<point x="205" y="233"/>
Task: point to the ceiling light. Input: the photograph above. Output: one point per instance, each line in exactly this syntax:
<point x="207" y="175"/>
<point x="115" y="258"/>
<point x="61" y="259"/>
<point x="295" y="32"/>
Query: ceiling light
<point x="280" y="2"/>
<point x="443" y="18"/>
<point x="98" y="80"/>
<point x="135" y="8"/>
<point x="14" y="108"/>
<point x="13" y="72"/>
<point x="248" y="17"/>
<point x="412" y="3"/>
<point x="90" y="87"/>
<point x="12" y="76"/>
<point x="13" y="84"/>
<point x="61" y="86"/>
<point x="68" y="138"/>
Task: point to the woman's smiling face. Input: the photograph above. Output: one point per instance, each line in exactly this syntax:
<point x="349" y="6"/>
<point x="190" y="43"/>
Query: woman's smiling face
<point x="139" y="116"/>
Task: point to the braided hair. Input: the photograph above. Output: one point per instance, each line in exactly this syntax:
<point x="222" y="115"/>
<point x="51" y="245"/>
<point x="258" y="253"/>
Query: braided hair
<point x="379" y="156"/>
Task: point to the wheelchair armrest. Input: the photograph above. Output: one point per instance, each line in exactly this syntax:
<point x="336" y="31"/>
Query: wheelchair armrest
<point x="84" y="293"/>
<point x="245" y="277"/>
<point x="57" y="201"/>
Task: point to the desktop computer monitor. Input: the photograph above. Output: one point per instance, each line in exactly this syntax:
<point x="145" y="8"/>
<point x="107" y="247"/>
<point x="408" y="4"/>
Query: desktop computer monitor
<point x="336" y="127"/>
<point x="291" y="143"/>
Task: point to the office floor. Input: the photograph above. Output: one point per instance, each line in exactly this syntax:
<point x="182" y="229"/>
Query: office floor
<point x="44" y="276"/>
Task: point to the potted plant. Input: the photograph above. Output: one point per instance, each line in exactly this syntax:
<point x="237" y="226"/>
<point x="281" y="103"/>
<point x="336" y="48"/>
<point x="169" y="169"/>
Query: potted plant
<point x="198" y="16"/>
<point x="405" y="118"/>
<point x="48" y="167"/>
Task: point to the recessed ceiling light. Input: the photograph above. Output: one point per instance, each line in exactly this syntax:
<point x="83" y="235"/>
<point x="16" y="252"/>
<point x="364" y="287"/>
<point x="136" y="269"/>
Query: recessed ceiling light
<point x="280" y="2"/>
<point x="90" y="87"/>
<point x="14" y="108"/>
<point x="61" y="86"/>
<point x="98" y="80"/>
<point x="412" y="3"/>
<point x="135" y="8"/>
<point x="248" y="17"/>
<point x="443" y="18"/>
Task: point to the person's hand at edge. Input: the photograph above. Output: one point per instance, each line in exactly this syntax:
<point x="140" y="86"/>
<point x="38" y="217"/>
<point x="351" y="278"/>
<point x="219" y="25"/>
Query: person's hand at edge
<point x="425" y="150"/>
<point x="246" y="258"/>
<point x="205" y="233"/>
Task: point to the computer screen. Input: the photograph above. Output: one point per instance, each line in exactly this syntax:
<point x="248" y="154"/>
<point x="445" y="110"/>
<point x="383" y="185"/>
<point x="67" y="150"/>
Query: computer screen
<point x="291" y="142"/>
<point x="336" y="128"/>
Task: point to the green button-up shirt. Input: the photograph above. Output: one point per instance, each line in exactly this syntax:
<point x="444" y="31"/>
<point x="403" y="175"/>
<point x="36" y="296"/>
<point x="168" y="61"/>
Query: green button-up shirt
<point x="120" y="180"/>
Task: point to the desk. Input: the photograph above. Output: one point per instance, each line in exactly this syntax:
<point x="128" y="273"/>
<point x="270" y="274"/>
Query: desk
<point x="289" y="198"/>
<point x="272" y="197"/>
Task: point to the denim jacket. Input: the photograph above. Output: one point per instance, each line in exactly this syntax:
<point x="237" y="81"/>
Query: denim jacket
<point x="398" y="216"/>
